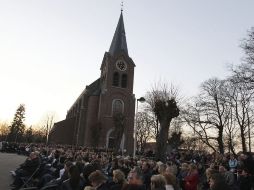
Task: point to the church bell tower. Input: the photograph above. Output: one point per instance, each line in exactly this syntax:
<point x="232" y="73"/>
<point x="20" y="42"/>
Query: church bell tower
<point x="117" y="77"/>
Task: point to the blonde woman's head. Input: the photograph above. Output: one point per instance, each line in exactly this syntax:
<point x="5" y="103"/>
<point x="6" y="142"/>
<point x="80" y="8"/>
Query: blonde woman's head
<point x="118" y="176"/>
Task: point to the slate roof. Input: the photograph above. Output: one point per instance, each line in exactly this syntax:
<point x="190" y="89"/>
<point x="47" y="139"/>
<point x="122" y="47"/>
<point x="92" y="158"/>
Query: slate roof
<point x="94" y="88"/>
<point x="119" y="43"/>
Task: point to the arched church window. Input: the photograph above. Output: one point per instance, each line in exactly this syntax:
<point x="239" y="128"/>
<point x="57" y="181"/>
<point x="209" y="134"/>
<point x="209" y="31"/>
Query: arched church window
<point x="116" y="79"/>
<point x="124" y="81"/>
<point x="117" y="106"/>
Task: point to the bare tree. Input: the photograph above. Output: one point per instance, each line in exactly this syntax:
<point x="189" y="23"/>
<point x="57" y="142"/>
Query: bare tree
<point x="190" y="143"/>
<point x="248" y="46"/>
<point x="241" y="95"/>
<point x="29" y="135"/>
<point x="162" y="102"/>
<point x="4" y="131"/>
<point x="145" y="129"/>
<point x="202" y="129"/>
<point x="245" y="71"/>
<point x="39" y="134"/>
<point x="210" y="113"/>
<point x="231" y="133"/>
<point x="48" y="125"/>
<point x="175" y="140"/>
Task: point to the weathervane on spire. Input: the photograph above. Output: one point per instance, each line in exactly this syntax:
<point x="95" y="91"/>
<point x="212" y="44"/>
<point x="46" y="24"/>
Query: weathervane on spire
<point x="121" y="6"/>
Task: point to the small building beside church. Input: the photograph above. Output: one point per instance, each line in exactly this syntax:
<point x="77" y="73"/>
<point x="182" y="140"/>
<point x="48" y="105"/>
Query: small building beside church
<point x="90" y="120"/>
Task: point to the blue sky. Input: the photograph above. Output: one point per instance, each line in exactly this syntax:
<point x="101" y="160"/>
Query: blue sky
<point x="51" y="49"/>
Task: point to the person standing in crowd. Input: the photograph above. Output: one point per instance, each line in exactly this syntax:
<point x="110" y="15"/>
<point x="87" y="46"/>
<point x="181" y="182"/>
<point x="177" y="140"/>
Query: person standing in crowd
<point x="172" y="168"/>
<point x="205" y="183"/>
<point x="118" y="179"/>
<point x="245" y="180"/>
<point x="146" y="174"/>
<point x="171" y="183"/>
<point x="228" y="176"/>
<point x="162" y="168"/>
<point x="158" y="182"/>
<point x="182" y="174"/>
<point x="135" y="177"/>
<point x="247" y="161"/>
<point x="232" y="163"/>
<point x="217" y="182"/>
<point x="192" y="178"/>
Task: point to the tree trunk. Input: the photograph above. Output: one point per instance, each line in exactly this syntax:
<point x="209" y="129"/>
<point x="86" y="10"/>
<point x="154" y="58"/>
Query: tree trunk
<point x="220" y="141"/>
<point x="161" y="141"/>
<point x="243" y="141"/>
<point x="232" y="149"/>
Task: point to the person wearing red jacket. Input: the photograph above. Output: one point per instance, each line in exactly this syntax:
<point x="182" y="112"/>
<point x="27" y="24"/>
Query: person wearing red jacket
<point x="191" y="180"/>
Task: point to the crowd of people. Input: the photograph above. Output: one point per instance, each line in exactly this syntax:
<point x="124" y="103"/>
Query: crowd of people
<point x="77" y="168"/>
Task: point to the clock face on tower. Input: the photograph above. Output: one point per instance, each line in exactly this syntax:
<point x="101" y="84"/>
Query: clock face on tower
<point x="121" y="65"/>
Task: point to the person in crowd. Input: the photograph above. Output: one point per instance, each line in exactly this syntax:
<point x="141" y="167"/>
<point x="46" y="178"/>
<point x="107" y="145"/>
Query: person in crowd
<point x="154" y="167"/>
<point x="228" y="176"/>
<point x="192" y="178"/>
<point x="88" y="169"/>
<point x="248" y="162"/>
<point x="74" y="181"/>
<point x="26" y="169"/>
<point x="98" y="180"/>
<point x="113" y="165"/>
<point x="232" y="163"/>
<point x="80" y="164"/>
<point x="118" y="179"/>
<point x="171" y="183"/>
<point x="172" y="168"/>
<point x="162" y="168"/>
<point x="48" y="179"/>
<point x="217" y="182"/>
<point x="158" y="182"/>
<point x="182" y="174"/>
<point x="205" y="183"/>
<point x="123" y="167"/>
<point x="245" y="180"/>
<point x="135" y="177"/>
<point x="64" y="173"/>
<point x="146" y="174"/>
<point x="225" y="160"/>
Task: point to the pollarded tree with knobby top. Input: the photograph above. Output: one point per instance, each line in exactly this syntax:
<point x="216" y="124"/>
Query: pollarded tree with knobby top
<point x="162" y="102"/>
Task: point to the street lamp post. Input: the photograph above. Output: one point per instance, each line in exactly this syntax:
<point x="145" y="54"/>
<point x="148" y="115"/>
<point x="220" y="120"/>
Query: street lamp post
<point x="141" y="99"/>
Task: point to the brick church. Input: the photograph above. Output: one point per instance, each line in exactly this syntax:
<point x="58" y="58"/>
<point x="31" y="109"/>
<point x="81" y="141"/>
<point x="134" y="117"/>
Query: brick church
<point x="89" y="121"/>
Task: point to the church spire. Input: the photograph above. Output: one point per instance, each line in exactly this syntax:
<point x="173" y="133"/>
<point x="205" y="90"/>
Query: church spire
<point x="119" y="43"/>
